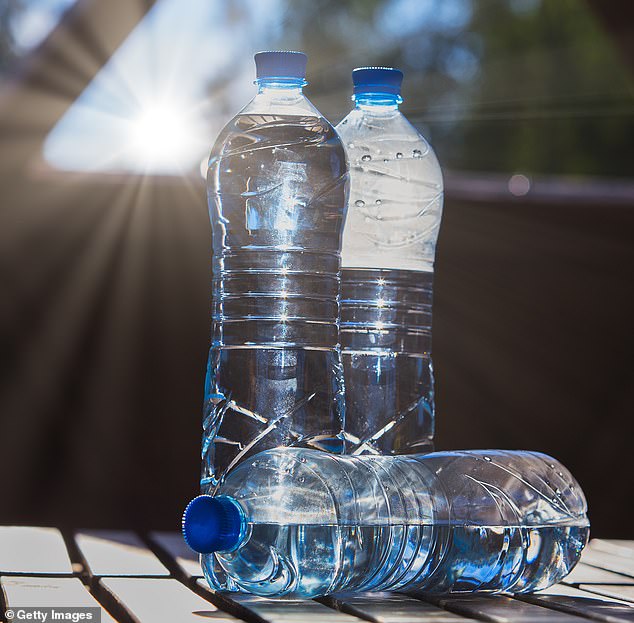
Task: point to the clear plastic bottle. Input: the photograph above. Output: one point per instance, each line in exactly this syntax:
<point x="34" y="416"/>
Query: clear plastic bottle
<point x="277" y="184"/>
<point x="389" y="242"/>
<point x="303" y="523"/>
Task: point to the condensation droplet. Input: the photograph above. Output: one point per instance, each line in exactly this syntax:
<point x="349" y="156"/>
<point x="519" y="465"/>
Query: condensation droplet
<point x="385" y="160"/>
<point x="558" y="491"/>
<point x="417" y="153"/>
<point x="399" y="154"/>
<point x="552" y="466"/>
<point x="378" y="202"/>
<point x="487" y="458"/>
<point x="366" y="158"/>
<point x="302" y="459"/>
<point x="359" y="203"/>
<point x="301" y="479"/>
<point x="560" y="474"/>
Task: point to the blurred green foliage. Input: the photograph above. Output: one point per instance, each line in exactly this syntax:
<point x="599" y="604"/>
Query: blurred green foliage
<point x="535" y="86"/>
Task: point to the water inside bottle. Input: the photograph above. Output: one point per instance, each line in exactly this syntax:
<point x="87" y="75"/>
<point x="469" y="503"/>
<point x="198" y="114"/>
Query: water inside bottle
<point x="274" y="376"/>
<point x="308" y="560"/>
<point x="386" y="351"/>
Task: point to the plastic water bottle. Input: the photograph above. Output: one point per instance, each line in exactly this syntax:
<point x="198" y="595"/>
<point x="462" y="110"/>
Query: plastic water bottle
<point x="389" y="242"/>
<point x="303" y="523"/>
<point x="277" y="184"/>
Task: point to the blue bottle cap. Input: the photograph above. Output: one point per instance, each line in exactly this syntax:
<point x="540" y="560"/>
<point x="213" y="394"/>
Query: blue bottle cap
<point x="283" y="65"/>
<point x="212" y="524"/>
<point x="377" y="80"/>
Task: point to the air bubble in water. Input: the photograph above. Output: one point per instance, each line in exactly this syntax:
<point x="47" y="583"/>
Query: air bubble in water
<point x="366" y="158"/>
<point x="378" y="202"/>
<point x="417" y="153"/>
<point x="359" y="203"/>
<point x="399" y="155"/>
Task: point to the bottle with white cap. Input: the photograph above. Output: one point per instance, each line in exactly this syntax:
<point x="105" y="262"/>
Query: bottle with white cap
<point x="277" y="183"/>
<point x="389" y="242"/>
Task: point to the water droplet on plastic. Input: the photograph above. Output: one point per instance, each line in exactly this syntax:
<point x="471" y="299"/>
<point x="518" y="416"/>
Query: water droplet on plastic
<point x="301" y="479"/>
<point x="487" y="458"/>
<point x="417" y="153"/>
<point x="558" y="491"/>
<point x="359" y="203"/>
<point x="552" y="466"/>
<point x="302" y="459"/>
<point x="378" y="202"/>
<point x="351" y="145"/>
<point x="399" y="155"/>
<point x="385" y="160"/>
<point x="366" y="158"/>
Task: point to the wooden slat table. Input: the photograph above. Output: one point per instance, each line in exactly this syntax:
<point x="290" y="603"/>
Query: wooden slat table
<point x="156" y="579"/>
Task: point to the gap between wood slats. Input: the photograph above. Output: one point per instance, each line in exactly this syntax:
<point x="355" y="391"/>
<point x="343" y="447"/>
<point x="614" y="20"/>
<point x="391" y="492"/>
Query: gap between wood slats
<point x="617" y="591"/>
<point x="582" y="603"/>
<point x="392" y="608"/>
<point x="498" y="609"/>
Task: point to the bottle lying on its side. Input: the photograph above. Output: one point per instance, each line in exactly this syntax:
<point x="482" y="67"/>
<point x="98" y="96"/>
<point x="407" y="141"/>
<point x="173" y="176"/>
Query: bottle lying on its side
<point x="297" y="522"/>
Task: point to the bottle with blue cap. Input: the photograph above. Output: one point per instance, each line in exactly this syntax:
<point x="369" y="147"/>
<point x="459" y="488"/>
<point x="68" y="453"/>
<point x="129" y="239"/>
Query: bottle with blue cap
<point x="300" y="523"/>
<point x="277" y="184"/>
<point x="389" y="241"/>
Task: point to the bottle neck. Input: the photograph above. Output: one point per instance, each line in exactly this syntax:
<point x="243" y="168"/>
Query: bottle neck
<point x="285" y="87"/>
<point x="377" y="103"/>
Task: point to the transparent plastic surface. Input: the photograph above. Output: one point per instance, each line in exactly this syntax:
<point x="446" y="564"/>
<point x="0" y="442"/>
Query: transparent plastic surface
<point x="443" y="522"/>
<point x="277" y="183"/>
<point x="389" y="242"/>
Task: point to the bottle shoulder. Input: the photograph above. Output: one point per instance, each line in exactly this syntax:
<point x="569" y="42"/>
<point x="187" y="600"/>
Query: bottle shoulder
<point x="293" y="103"/>
<point x="393" y="122"/>
<point x="269" y="115"/>
<point x="361" y="127"/>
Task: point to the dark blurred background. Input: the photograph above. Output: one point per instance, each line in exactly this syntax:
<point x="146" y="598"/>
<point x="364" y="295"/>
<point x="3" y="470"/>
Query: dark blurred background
<point x="107" y="109"/>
